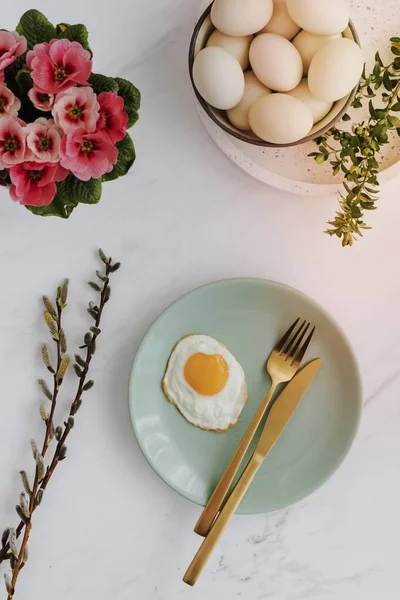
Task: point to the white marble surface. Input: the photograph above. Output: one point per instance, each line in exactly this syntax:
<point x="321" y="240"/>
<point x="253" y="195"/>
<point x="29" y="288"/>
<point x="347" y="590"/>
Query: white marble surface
<point x="109" y="527"/>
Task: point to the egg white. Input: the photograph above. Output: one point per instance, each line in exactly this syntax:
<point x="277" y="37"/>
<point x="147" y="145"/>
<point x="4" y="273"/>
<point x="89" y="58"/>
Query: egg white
<point x="218" y="412"/>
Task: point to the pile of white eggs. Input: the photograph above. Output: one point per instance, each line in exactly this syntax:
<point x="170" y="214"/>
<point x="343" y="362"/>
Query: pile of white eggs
<point x="277" y="66"/>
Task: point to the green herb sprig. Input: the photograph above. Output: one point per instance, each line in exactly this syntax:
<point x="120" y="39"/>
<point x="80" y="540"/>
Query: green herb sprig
<point x="356" y="153"/>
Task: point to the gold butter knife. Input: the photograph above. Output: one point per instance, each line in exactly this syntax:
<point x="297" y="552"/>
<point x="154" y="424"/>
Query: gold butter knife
<point x="279" y="416"/>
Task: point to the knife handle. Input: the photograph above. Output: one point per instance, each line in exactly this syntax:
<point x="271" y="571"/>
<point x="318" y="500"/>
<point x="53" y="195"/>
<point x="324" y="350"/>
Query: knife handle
<point x="218" y="496"/>
<point x="207" y="547"/>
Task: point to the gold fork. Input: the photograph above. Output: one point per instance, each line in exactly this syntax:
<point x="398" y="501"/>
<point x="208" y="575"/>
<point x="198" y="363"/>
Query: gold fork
<point x="282" y="366"/>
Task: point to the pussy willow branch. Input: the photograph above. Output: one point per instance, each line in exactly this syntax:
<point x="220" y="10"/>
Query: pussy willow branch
<point x="81" y="368"/>
<point x="90" y="349"/>
<point x="20" y="560"/>
<point x="56" y="315"/>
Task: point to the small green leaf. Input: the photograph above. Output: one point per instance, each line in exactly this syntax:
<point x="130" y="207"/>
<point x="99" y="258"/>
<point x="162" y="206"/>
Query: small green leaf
<point x="393" y="121"/>
<point x="396" y="107"/>
<point x="126" y="158"/>
<point x="353" y="157"/>
<point x="363" y="75"/>
<point x="131" y="96"/>
<point x="368" y="206"/>
<point x="356" y="212"/>
<point x="375" y="145"/>
<point x="387" y="82"/>
<point x="74" y="33"/>
<point x="371" y="93"/>
<point x="372" y="109"/>
<point x="377" y="69"/>
<point x="346" y="117"/>
<point x="101" y="83"/>
<point x="320" y="159"/>
<point x="36" y="28"/>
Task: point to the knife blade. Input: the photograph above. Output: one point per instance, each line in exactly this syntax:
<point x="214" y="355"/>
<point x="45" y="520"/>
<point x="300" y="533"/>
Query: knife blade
<point x="279" y="416"/>
<point x="285" y="406"/>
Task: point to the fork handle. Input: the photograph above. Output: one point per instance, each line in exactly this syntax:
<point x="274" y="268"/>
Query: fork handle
<point x="218" y="496"/>
<point x="207" y="547"/>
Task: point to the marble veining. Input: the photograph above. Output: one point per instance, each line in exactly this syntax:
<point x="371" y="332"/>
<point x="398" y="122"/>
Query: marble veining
<point x="109" y="528"/>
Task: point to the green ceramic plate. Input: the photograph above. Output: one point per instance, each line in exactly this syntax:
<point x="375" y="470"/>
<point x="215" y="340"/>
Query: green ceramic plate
<point x="249" y="316"/>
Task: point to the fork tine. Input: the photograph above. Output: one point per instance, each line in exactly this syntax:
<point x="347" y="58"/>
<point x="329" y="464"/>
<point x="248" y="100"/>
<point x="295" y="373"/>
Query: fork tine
<point x="280" y="345"/>
<point x="295" y="345"/>
<point x="292" y="340"/>
<point x="300" y="355"/>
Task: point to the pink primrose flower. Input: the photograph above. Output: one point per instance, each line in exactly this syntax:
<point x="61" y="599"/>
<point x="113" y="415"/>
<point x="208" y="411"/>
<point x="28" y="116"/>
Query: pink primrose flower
<point x="43" y="102"/>
<point x="43" y="141"/>
<point x="76" y="108"/>
<point x="34" y="184"/>
<point x="12" y="141"/>
<point x="58" y="65"/>
<point x="9" y="104"/>
<point x="87" y="155"/>
<point x="12" y="45"/>
<point x="113" y="121"/>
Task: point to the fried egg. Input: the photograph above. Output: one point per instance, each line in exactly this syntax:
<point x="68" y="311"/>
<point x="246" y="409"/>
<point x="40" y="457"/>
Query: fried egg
<point x="205" y="382"/>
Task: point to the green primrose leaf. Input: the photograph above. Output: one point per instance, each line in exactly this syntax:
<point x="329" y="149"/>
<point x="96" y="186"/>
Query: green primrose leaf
<point x="131" y="96"/>
<point x="36" y="28"/>
<point x="101" y="83"/>
<point x="70" y="193"/>
<point x="85" y="192"/>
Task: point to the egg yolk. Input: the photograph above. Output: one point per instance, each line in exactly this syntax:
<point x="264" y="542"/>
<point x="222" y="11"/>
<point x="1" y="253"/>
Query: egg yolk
<point x="207" y="374"/>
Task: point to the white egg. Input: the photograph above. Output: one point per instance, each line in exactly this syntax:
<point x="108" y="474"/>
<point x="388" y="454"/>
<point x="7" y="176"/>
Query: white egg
<point x="322" y="17"/>
<point x="238" y="46"/>
<point x="253" y="90"/>
<point x="308" y="45"/>
<point x="281" y="22"/>
<point x="205" y="382"/>
<point x="276" y="62"/>
<point x="218" y="77"/>
<point x="241" y="17"/>
<point x="335" y="70"/>
<point x="319" y="108"/>
<point x="280" y="119"/>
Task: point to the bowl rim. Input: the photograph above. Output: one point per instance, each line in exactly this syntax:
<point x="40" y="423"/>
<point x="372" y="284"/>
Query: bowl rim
<point x="236" y="133"/>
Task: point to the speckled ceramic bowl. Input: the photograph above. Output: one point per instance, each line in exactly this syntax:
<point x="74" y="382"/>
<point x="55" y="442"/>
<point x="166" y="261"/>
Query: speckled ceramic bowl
<point x="202" y="32"/>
